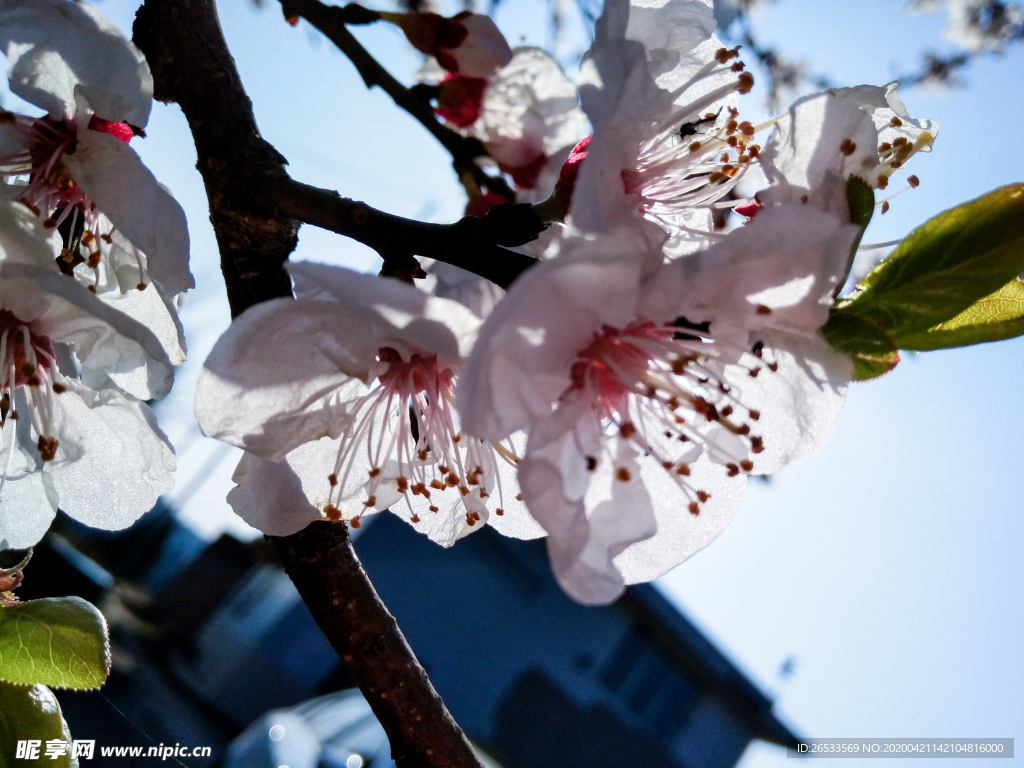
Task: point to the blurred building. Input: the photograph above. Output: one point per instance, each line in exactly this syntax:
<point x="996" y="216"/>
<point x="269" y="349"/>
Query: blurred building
<point x="213" y="640"/>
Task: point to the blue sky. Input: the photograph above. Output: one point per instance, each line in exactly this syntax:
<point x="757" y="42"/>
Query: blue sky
<point x="888" y="566"/>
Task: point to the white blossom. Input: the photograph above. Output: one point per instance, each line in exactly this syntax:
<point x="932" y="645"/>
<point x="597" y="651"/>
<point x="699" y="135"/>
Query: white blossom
<point x="648" y="399"/>
<point x="96" y="89"/>
<point x="863" y="131"/>
<point x="343" y="400"/>
<point x="668" y="143"/>
<point x="527" y="115"/>
<point x="70" y="435"/>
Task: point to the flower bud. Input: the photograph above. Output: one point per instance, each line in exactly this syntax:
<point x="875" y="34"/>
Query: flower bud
<point x="468" y="43"/>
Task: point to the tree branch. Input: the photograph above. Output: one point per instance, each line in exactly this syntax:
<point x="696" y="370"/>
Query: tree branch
<point x="191" y="65"/>
<point x="469" y="243"/>
<point x="331" y="20"/>
<point x="324" y="568"/>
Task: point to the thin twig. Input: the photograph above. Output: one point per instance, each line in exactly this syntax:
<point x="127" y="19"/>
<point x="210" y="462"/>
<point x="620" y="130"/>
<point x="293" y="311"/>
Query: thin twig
<point x="331" y="20"/>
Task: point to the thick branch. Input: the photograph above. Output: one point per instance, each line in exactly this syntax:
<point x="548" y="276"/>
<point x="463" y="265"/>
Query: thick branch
<point x="326" y="571"/>
<point x="191" y="65"/>
<point x="331" y="20"/>
<point x="469" y="243"/>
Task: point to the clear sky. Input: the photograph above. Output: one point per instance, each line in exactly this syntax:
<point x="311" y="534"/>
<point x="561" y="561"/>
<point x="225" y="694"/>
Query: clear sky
<point x="889" y="565"/>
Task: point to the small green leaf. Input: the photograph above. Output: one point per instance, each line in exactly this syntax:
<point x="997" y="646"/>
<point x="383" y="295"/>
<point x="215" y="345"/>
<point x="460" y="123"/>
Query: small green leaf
<point x="861" y="199"/>
<point x="945" y="265"/>
<point x="31" y="712"/>
<point x="59" y="641"/>
<point x="993" y="318"/>
<point x="872" y="351"/>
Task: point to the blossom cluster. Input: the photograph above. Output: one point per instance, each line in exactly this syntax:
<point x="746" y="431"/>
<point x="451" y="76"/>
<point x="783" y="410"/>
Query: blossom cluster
<point x="93" y="253"/>
<point x="616" y="399"/>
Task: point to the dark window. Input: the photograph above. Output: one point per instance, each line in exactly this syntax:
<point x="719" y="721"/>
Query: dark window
<point x="649" y="684"/>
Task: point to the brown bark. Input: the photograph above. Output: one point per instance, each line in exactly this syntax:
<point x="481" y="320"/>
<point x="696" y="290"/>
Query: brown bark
<point x="254" y="208"/>
<point x="326" y="571"/>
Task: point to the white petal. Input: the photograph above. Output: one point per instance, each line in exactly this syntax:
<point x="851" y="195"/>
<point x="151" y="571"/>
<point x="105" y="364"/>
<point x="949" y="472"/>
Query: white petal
<point x="799" y="403"/>
<point x="23" y="240"/>
<point x="397" y="312"/>
<point x="54" y="47"/>
<point x="790" y="259"/>
<point x="114" y="178"/>
<point x="155" y="310"/>
<point x="113" y="462"/>
<point x="476" y="294"/>
<point x="806" y="143"/>
<point x="680" y="534"/>
<point x="585" y="534"/>
<point x="284" y="373"/>
<point x="529" y="108"/>
<point x="270" y="498"/>
<point x="484" y="50"/>
<point x="28" y="502"/>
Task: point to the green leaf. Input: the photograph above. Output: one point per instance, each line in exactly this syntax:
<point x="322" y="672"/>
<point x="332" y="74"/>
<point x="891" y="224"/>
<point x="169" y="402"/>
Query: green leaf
<point x="31" y="713"/>
<point x="993" y="318"/>
<point x="945" y="265"/>
<point x="872" y="351"/>
<point x="861" y="199"/>
<point x="59" y="641"/>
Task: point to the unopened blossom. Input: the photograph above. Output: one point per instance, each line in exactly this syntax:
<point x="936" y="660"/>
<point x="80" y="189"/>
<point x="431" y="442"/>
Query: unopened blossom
<point x="343" y="399"/>
<point x="648" y="398"/>
<point x="468" y="43"/>
<point x="79" y="173"/>
<point x="668" y="143"/>
<point x="863" y="131"/>
<point x="70" y="435"/>
<point x="527" y="115"/>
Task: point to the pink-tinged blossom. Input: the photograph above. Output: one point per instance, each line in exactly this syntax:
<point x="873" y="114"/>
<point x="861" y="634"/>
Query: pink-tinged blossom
<point x="649" y="397"/>
<point x="668" y="142"/>
<point x="96" y="89"/>
<point x="467" y="43"/>
<point x="70" y="436"/>
<point x="343" y="399"/>
<point x="527" y="115"/>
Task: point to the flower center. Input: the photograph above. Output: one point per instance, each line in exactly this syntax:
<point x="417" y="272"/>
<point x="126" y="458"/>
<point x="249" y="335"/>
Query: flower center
<point x="29" y="361"/>
<point x="53" y="194"/>
<point x="404" y="442"/>
<point x="663" y="388"/>
<point x="694" y="157"/>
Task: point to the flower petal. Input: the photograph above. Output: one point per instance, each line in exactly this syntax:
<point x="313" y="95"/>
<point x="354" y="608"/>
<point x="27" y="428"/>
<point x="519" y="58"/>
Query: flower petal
<point x="108" y="343"/>
<point x="113" y="462"/>
<point x="284" y="373"/>
<point x="269" y="494"/>
<point x="780" y="271"/>
<point x="55" y="47"/>
<point x="799" y="403"/>
<point x="396" y="312"/>
<point x="28" y="502"/>
<point x="115" y="179"/>
<point x="680" y="534"/>
<point x="585" y="532"/>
